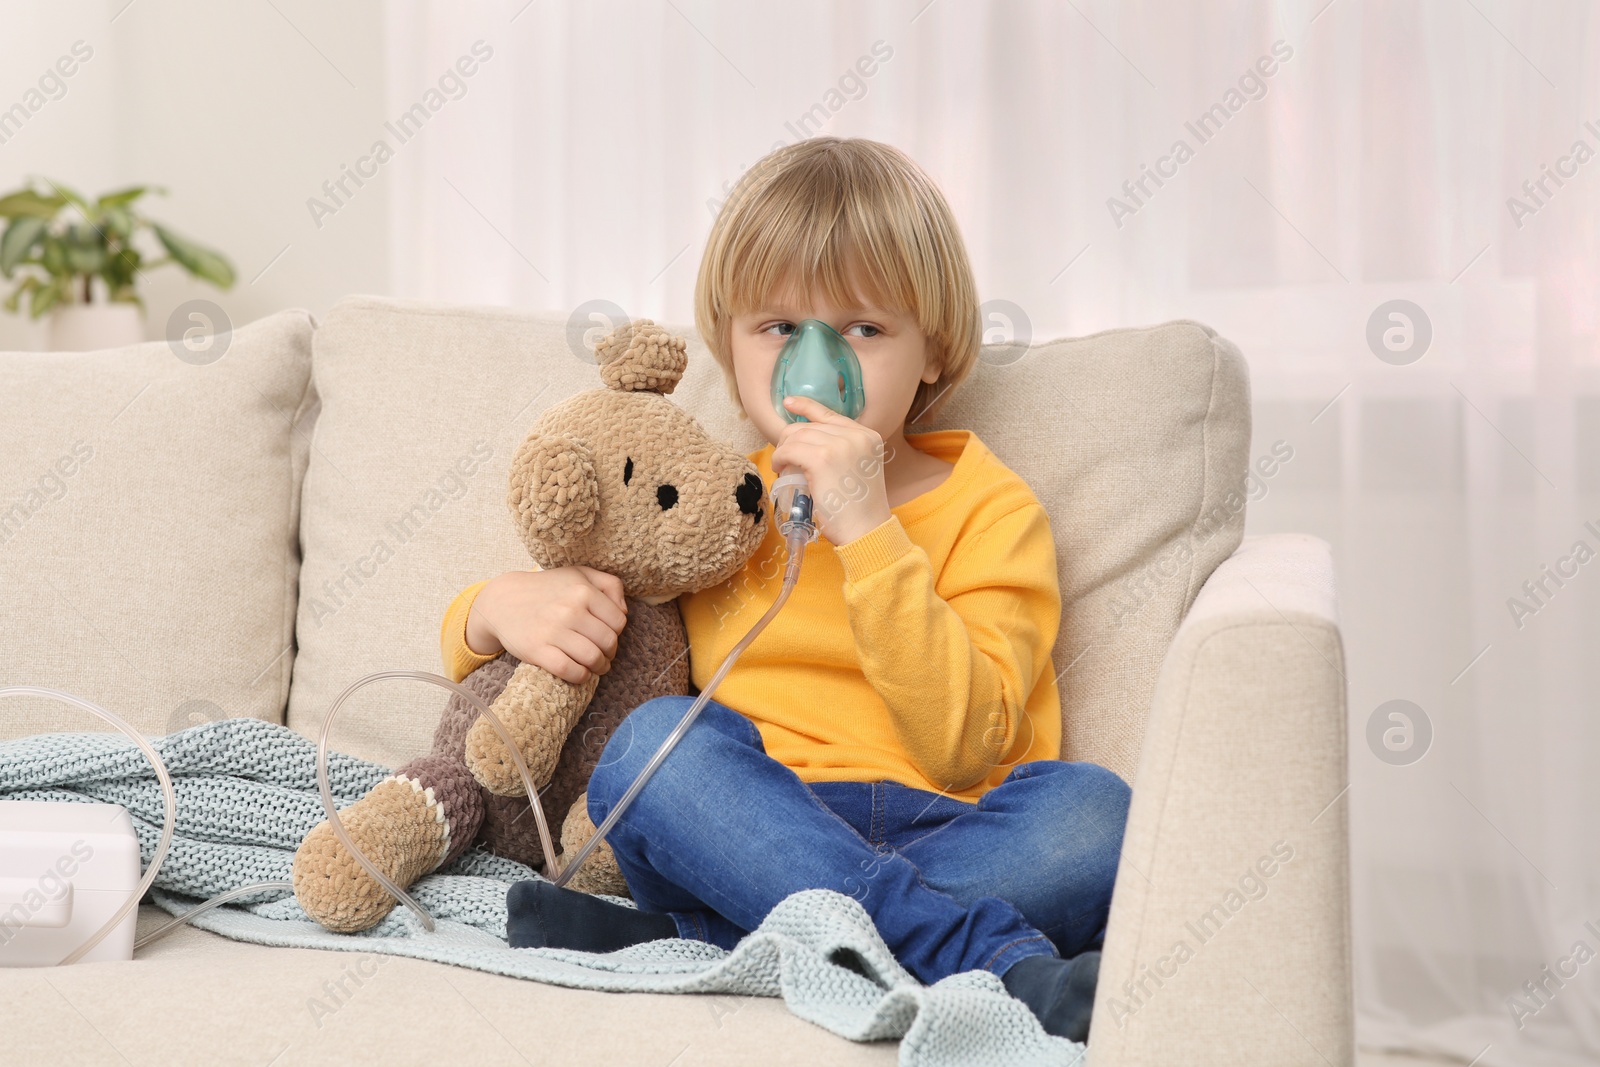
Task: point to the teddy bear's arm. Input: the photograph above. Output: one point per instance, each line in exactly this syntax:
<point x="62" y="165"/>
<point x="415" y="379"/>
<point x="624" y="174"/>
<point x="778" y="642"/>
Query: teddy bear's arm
<point x="538" y="709"/>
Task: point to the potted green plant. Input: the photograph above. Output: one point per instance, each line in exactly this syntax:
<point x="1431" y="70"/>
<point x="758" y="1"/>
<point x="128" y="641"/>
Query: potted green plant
<point x="80" y="261"/>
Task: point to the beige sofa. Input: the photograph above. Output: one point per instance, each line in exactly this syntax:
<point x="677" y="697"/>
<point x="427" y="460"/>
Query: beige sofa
<point x="248" y="529"/>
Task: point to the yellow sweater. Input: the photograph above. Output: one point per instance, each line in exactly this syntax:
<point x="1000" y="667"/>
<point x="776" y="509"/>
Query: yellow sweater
<point x="919" y="652"/>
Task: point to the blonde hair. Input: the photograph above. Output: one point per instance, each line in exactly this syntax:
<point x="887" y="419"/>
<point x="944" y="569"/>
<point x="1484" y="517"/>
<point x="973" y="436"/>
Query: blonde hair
<point x="807" y="213"/>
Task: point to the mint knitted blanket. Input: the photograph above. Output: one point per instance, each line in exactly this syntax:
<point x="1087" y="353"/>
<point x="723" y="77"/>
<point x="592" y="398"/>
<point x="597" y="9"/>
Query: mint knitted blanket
<point x="247" y="795"/>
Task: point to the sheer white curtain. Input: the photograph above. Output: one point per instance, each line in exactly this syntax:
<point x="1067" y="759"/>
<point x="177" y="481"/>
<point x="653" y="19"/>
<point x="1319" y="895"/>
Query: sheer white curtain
<point x="1352" y="154"/>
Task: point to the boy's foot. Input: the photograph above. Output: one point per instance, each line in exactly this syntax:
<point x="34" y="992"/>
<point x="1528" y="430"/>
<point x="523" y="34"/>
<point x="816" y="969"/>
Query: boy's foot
<point x="540" y="914"/>
<point x="1060" y="992"/>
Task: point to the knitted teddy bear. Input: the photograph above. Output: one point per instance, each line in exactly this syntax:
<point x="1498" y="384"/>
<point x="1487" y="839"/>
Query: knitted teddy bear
<point x="620" y="479"/>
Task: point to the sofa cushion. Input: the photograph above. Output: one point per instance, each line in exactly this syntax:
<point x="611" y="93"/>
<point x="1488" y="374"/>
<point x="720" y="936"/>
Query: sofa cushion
<point x="1135" y="440"/>
<point x="196" y="998"/>
<point x="1137" y="443"/>
<point x="149" y="508"/>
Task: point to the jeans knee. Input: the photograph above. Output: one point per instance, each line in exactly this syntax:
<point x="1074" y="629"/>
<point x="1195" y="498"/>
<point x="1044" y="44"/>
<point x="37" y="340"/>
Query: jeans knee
<point x="631" y="745"/>
<point x="1094" y="795"/>
<point x="1104" y="798"/>
<point x="1090" y="814"/>
<point x="641" y="734"/>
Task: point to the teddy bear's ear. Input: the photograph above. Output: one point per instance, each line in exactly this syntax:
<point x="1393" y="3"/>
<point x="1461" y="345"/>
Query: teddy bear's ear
<point x="640" y="356"/>
<point x="554" y="495"/>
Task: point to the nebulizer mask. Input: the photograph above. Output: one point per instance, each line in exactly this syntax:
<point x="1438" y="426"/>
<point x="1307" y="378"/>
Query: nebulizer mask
<point x="816" y="362"/>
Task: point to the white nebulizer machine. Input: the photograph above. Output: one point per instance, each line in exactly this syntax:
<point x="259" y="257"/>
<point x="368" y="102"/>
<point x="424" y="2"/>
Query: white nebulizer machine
<point x="65" y="871"/>
<point x="69" y="873"/>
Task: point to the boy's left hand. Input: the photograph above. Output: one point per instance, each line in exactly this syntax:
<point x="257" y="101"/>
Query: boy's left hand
<point x="843" y="460"/>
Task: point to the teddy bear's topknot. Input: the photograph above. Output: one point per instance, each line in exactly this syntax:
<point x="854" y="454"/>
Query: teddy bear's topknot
<point x="640" y="356"/>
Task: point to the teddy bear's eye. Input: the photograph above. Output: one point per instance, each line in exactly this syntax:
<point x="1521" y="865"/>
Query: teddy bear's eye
<point x="627" y="472"/>
<point x="666" y="496"/>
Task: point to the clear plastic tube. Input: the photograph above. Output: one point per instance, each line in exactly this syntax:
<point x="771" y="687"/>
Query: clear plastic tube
<point x="499" y="728"/>
<point x="221" y="898"/>
<point x="792" y="512"/>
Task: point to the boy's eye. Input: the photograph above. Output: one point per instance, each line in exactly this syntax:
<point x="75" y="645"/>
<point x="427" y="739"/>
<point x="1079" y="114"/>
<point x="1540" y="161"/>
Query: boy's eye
<point x="784" y="329"/>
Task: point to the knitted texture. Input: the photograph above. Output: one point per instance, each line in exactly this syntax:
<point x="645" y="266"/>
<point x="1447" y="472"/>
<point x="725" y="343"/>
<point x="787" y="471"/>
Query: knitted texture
<point x="247" y="795"/>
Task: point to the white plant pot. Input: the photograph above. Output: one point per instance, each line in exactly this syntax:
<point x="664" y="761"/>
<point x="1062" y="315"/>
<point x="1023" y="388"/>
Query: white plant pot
<point x="88" y="327"/>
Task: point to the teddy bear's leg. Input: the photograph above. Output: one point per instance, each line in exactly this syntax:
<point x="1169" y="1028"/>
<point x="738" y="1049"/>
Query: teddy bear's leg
<point x="599" y="873"/>
<point x="538" y="709"/>
<point x="510" y="830"/>
<point x="418" y="819"/>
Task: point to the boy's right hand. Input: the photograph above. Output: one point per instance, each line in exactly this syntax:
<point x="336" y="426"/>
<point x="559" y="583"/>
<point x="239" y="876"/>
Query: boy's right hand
<point x="565" y="619"/>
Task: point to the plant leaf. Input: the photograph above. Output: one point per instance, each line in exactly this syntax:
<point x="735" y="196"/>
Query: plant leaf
<point x="54" y="256"/>
<point x="198" y="260"/>
<point x="20" y="237"/>
<point x="117" y="222"/>
<point x="30" y="283"/>
<point x="72" y="195"/>
<point x="86" y="260"/>
<point x="126" y="196"/>
<point x="45" y="297"/>
<point x="28" y="202"/>
<point x="122" y="267"/>
<point x="86" y="250"/>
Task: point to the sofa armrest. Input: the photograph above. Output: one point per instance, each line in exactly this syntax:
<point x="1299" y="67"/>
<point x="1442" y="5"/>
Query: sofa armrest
<point x="1229" y="935"/>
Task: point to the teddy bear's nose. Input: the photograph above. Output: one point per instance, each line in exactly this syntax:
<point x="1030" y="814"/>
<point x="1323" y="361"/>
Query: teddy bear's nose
<point x="749" y="495"/>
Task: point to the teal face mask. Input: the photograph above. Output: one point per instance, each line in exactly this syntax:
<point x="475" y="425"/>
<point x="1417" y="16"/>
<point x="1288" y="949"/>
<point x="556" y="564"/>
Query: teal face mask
<point x="816" y="361"/>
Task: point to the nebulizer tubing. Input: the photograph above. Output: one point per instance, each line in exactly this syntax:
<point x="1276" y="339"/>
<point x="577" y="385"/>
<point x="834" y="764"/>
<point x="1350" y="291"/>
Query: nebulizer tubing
<point x="818" y="362"/>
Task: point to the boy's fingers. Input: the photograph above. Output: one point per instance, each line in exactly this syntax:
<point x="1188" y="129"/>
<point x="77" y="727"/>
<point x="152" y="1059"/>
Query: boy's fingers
<point x="606" y="615"/>
<point x="815" y="410"/>
<point x="609" y="584"/>
<point x="587" y="653"/>
<point x="600" y="627"/>
<point x="553" y="659"/>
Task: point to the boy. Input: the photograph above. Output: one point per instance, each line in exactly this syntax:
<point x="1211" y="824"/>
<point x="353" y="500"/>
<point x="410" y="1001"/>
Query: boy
<point x="894" y="733"/>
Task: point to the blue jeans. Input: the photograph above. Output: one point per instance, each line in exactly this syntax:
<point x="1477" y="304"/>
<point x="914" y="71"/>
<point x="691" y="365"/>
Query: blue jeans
<point x="722" y="832"/>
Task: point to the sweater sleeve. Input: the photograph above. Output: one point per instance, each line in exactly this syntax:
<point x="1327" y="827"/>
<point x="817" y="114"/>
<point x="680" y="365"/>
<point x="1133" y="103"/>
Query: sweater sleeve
<point x="459" y="659"/>
<point x="955" y="671"/>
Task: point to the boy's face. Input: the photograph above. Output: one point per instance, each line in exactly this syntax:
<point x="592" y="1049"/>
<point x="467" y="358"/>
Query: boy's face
<point x="890" y="346"/>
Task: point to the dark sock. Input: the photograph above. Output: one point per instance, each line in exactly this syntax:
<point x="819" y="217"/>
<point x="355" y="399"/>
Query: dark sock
<point x="1060" y="992"/>
<point x="541" y="914"/>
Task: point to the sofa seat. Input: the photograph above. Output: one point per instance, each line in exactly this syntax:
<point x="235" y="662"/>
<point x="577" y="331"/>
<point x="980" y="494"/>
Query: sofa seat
<point x="196" y="998"/>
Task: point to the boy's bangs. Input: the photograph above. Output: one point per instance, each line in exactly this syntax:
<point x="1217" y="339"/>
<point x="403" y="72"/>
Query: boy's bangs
<point x="793" y="256"/>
